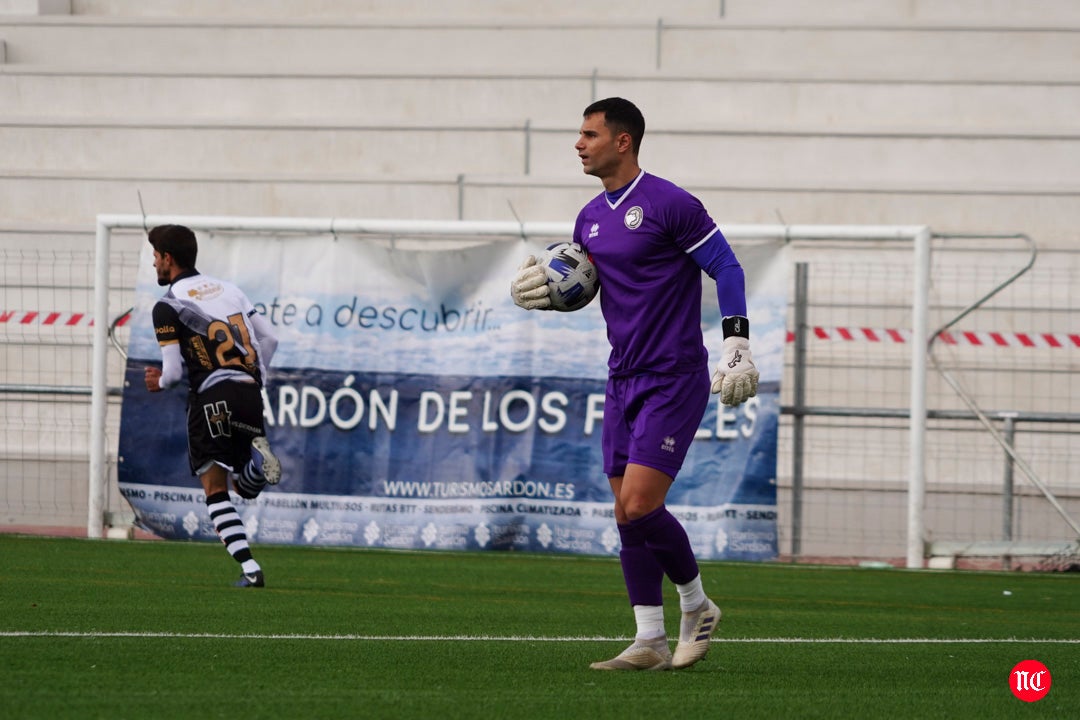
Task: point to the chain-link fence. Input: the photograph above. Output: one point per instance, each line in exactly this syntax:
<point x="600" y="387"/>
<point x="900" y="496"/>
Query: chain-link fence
<point x="843" y="491"/>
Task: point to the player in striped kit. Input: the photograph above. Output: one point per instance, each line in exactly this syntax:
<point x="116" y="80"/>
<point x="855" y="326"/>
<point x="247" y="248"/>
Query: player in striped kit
<point x="650" y="240"/>
<point x="210" y="326"/>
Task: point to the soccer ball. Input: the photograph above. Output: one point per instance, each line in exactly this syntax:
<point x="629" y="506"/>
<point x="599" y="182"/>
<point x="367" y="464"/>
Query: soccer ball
<point x="571" y="276"/>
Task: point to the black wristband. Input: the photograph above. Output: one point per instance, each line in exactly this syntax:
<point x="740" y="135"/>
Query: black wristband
<point x="736" y="326"/>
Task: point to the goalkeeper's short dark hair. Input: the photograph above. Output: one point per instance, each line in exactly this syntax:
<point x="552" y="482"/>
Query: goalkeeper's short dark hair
<point x="620" y="115"/>
<point x="178" y="241"/>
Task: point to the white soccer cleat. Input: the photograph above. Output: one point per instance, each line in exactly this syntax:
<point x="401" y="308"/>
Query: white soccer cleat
<point x="695" y="629"/>
<point x="265" y="460"/>
<point x="642" y="655"/>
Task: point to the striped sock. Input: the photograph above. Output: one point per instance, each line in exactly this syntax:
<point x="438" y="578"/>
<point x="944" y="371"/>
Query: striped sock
<point x="230" y="528"/>
<point x="250" y="482"/>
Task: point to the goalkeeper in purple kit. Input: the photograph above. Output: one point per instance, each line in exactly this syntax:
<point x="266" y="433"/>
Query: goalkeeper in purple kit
<point x="650" y="240"/>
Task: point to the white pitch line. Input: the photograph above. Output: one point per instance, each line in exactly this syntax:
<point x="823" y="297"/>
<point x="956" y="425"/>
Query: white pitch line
<point x="529" y="638"/>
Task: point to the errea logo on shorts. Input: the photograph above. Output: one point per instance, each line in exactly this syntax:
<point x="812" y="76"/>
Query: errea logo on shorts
<point x="1029" y="681"/>
<point x="668" y="445"/>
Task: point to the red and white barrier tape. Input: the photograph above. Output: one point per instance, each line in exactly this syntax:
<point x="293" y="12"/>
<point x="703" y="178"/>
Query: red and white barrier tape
<point x="12" y="318"/>
<point x="965" y="337"/>
<point x="839" y="334"/>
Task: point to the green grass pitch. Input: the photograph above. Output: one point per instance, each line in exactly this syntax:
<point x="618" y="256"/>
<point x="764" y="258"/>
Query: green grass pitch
<point x="116" y="629"/>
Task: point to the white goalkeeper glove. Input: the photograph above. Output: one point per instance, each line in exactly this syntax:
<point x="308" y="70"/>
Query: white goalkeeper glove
<point x="735" y="378"/>
<point x="529" y="288"/>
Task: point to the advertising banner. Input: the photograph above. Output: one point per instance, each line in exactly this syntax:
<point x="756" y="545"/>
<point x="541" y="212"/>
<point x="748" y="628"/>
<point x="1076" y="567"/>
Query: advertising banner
<point x="413" y="405"/>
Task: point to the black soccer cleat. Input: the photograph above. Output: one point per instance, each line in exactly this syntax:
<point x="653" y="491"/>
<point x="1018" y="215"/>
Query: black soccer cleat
<point x="254" y="579"/>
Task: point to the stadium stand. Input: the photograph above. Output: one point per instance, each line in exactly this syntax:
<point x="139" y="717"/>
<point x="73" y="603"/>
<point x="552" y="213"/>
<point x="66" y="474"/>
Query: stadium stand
<point x="898" y="111"/>
<point x="894" y="112"/>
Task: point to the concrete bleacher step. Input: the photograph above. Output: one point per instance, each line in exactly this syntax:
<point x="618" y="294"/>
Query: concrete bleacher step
<point x="962" y="13"/>
<point x="73" y="200"/>
<point x="778" y="101"/>
<point x="457" y="98"/>
<point x="830" y="52"/>
<point x="1046" y="214"/>
<point x="874" y="53"/>
<point x="360" y="9"/>
<point x="81" y="42"/>
<point x="852" y="157"/>
<point x="301" y="96"/>
<point x="253" y="148"/>
<point x="740" y="154"/>
<point x="29" y="241"/>
<point x="969" y="13"/>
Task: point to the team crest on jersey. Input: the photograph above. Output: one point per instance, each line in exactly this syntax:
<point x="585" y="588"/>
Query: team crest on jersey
<point x="594" y="230"/>
<point x="633" y="217"/>
<point x="205" y="291"/>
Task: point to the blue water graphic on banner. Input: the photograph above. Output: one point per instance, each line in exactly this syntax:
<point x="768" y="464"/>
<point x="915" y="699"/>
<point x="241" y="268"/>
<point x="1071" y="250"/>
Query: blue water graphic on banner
<point x="429" y="412"/>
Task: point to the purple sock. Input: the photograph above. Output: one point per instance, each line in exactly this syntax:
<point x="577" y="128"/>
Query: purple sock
<point x="666" y="539"/>
<point x="643" y="575"/>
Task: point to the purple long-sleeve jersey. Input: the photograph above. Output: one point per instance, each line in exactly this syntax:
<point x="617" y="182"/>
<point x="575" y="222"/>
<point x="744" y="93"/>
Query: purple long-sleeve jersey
<point x="649" y="247"/>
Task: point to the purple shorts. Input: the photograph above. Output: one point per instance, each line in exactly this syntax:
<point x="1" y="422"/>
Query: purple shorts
<point x="651" y="420"/>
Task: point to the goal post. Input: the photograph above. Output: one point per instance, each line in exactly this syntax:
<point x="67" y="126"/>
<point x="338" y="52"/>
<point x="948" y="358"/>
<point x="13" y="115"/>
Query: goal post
<point x="920" y="343"/>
